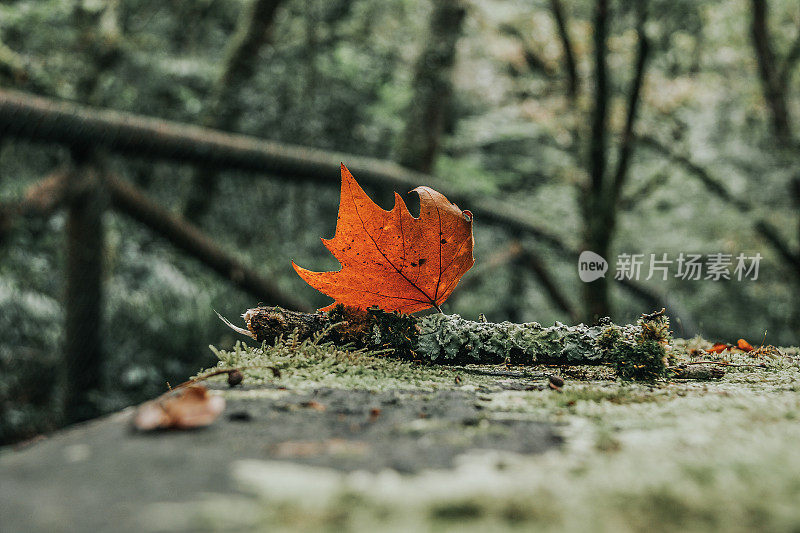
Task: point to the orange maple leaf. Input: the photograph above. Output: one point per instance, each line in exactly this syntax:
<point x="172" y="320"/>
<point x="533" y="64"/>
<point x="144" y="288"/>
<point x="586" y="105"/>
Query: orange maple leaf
<point x="391" y="259"/>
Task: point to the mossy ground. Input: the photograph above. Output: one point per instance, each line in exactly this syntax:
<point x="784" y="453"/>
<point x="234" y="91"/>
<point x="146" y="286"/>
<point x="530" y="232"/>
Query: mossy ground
<point x="668" y="456"/>
<point x="321" y="438"/>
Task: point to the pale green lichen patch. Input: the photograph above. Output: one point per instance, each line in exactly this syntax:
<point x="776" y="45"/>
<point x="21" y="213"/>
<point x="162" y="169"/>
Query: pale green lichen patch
<point x="638" y="352"/>
<point x="447" y="338"/>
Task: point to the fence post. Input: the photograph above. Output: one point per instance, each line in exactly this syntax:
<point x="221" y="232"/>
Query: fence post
<point x="83" y="298"/>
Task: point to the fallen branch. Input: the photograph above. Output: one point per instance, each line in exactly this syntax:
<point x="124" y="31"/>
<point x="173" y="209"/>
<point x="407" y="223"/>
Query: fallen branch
<point x="699" y="372"/>
<point x="637" y="351"/>
<point x="725" y="363"/>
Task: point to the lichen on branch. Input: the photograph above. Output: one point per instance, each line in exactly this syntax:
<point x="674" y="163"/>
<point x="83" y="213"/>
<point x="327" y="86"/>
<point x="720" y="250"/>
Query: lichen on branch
<point x="636" y="351"/>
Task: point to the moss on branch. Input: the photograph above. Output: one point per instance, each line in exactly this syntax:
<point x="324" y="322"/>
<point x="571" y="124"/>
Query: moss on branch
<point x="637" y="351"/>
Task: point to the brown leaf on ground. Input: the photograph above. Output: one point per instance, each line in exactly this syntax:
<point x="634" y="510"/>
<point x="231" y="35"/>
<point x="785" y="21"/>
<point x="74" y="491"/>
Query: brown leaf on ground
<point x="719" y="348"/>
<point x="744" y="345"/>
<point x="184" y="408"/>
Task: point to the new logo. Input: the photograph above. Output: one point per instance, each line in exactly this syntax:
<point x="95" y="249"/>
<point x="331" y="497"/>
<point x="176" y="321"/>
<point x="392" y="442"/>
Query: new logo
<point x="591" y="266"/>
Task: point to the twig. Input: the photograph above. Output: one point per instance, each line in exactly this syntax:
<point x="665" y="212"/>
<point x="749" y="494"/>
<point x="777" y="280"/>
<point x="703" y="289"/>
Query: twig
<point x="567" y="48"/>
<point x="721" y="363"/>
<point x="499" y="373"/>
<point x="218" y="372"/>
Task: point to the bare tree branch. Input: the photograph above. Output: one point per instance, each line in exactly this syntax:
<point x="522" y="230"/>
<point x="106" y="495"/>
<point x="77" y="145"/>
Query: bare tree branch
<point x="570" y="64"/>
<point x="710" y="182"/>
<point x="129" y="200"/>
<point x="531" y="260"/>
<point x="533" y="59"/>
<point x="656" y="181"/>
<point x="767" y="230"/>
<point x="476" y="275"/>
<point x="773" y="236"/>
<point x="40" y="200"/>
<point x="634" y="96"/>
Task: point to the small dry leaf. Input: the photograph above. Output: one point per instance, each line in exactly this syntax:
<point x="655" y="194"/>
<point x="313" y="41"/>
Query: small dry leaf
<point x="744" y="345"/>
<point x="185" y="408"/>
<point x="719" y="348"/>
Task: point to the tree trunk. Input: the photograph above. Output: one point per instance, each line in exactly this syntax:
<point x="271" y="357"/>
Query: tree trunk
<point x="597" y="238"/>
<point x="432" y="88"/>
<point x="602" y="196"/>
<point x="772" y="82"/>
<point x="222" y="110"/>
<point x="597" y="228"/>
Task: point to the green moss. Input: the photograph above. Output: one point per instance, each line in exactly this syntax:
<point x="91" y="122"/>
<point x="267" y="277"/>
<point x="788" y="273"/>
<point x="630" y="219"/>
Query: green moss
<point x="641" y="356"/>
<point x="314" y="363"/>
<point x="457" y="510"/>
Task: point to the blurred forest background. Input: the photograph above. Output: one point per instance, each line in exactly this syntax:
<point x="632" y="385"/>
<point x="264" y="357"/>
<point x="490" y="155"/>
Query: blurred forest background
<point x="660" y="126"/>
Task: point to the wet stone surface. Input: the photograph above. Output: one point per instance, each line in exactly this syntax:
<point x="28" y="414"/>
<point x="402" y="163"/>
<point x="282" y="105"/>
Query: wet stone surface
<point x="60" y="482"/>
